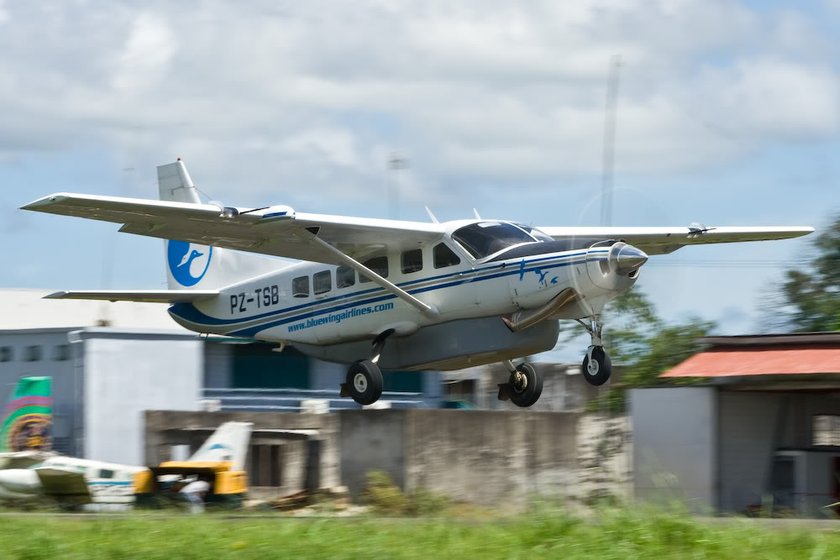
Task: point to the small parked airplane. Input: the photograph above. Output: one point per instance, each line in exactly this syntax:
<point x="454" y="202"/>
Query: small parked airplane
<point x="76" y="481"/>
<point x="376" y="293"/>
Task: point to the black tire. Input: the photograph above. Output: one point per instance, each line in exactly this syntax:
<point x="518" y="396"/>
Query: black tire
<point x="596" y="371"/>
<point x="364" y="382"/>
<point x="529" y="388"/>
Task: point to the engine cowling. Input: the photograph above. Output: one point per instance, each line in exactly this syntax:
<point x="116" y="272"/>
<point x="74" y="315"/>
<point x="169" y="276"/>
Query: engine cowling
<point x="615" y="269"/>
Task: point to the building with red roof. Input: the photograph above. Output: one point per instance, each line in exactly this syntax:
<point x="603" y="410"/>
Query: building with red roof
<point x="750" y="422"/>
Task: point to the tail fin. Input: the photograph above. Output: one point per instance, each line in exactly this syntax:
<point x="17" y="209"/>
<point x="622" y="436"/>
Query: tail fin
<point x="27" y="418"/>
<point x="193" y="266"/>
<point x="228" y="443"/>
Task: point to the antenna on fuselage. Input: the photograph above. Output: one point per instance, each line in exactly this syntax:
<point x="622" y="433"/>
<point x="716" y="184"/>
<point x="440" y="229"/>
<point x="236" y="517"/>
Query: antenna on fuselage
<point x="475" y="211"/>
<point x="431" y="216"/>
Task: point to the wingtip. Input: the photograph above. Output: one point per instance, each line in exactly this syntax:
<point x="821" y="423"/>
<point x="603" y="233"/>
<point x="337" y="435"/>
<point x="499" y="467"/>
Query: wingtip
<point x="56" y="295"/>
<point x="44" y="201"/>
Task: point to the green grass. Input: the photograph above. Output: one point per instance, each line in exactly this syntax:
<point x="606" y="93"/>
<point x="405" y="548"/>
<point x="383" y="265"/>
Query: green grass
<point x="619" y="533"/>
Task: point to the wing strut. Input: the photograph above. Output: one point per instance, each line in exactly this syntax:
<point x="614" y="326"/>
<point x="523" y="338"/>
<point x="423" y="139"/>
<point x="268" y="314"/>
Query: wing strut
<point x="429" y="310"/>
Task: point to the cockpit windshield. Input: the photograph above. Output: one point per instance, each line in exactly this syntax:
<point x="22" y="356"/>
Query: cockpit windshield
<point x="483" y="239"/>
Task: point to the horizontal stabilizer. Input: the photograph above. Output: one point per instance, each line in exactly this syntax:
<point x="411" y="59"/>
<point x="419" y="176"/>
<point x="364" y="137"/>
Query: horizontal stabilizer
<point x="148" y="296"/>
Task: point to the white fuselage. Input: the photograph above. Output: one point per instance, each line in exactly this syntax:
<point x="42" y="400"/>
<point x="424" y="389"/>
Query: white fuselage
<point x="276" y="307"/>
<point x="109" y="483"/>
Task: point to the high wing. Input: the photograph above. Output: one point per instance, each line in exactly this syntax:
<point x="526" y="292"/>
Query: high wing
<point x="23" y="459"/>
<point x="63" y="484"/>
<point x="662" y="240"/>
<point x="274" y="230"/>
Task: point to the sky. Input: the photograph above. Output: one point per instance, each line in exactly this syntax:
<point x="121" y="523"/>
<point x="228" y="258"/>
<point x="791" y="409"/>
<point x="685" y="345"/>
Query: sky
<point x="727" y="113"/>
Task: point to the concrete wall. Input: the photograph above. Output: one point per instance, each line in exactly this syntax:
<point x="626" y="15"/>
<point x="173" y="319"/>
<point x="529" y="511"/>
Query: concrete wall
<point x="494" y="458"/>
<point x="674" y="445"/>
<point x="484" y="457"/>
<point x="128" y="374"/>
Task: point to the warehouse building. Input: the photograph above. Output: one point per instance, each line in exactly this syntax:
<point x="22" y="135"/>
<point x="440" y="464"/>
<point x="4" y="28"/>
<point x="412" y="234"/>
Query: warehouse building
<point x="759" y="430"/>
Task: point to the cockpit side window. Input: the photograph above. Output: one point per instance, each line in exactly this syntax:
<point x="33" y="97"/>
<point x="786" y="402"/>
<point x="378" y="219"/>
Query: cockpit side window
<point x="485" y="238"/>
<point x="535" y="233"/>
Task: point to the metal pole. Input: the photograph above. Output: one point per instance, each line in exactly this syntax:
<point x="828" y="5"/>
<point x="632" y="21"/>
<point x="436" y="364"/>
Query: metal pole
<point x="395" y="163"/>
<point x="609" y="140"/>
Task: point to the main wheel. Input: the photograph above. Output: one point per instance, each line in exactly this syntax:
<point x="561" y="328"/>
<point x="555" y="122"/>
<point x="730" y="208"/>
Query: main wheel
<point x="364" y="382"/>
<point x="526" y="385"/>
<point x="597" y="370"/>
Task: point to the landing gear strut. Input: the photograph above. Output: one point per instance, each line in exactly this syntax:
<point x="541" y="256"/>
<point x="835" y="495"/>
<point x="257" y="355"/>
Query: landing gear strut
<point x="364" y="378"/>
<point x="596" y="367"/>
<point x="524" y="385"/>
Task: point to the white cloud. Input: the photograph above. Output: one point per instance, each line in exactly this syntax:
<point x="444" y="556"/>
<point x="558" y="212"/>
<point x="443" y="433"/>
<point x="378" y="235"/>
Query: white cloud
<point x="469" y="88"/>
<point x="145" y="56"/>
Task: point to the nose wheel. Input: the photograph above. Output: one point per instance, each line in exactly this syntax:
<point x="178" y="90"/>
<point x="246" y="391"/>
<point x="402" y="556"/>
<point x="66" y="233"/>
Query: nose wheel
<point x="596" y="367"/>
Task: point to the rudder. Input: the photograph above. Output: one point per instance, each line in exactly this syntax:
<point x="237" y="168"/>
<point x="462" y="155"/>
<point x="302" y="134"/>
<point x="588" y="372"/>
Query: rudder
<point x="194" y="266"/>
<point x="228" y="443"/>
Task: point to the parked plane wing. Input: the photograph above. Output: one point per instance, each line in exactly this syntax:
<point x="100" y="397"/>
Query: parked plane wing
<point x="64" y="484"/>
<point x="661" y="240"/>
<point x="274" y="230"/>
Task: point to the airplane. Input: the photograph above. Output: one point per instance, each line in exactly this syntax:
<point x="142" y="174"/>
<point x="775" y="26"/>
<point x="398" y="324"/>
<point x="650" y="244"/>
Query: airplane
<point x="26" y="425"/>
<point x="73" y="481"/>
<point x="393" y="294"/>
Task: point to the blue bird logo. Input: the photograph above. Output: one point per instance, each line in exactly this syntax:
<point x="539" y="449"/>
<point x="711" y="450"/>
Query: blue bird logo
<point x="188" y="262"/>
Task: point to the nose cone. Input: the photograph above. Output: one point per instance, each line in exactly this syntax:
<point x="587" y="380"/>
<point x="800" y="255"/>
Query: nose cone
<point x="629" y="259"/>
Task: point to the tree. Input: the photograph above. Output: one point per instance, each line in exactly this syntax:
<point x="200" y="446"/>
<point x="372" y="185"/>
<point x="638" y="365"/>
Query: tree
<point x="811" y="295"/>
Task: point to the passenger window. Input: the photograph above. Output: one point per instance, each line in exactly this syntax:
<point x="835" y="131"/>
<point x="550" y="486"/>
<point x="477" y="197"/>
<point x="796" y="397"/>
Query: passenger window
<point x="411" y="261"/>
<point x="321" y="282"/>
<point x="300" y="287"/>
<point x="444" y="256"/>
<point x="377" y="264"/>
<point x="344" y="277"/>
<point x="106" y="473"/>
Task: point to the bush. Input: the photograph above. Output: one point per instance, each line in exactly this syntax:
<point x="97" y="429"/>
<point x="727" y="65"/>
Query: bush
<point x="386" y="498"/>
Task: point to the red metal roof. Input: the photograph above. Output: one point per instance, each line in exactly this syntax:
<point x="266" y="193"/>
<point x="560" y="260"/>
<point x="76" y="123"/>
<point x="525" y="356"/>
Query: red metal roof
<point x="724" y="361"/>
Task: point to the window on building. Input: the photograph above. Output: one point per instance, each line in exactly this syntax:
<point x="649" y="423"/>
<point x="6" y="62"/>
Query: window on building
<point x="344" y="277"/>
<point x="300" y="286"/>
<point x="377" y="264"/>
<point x="61" y="353"/>
<point x="6" y="354"/>
<point x="826" y="430"/>
<point x="444" y="256"/>
<point x="411" y="261"/>
<point x="322" y="282"/>
<point x="32" y="354"/>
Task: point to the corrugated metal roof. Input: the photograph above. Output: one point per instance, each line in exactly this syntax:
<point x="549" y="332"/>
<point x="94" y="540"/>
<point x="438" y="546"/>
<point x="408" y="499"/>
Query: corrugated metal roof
<point x="786" y="359"/>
